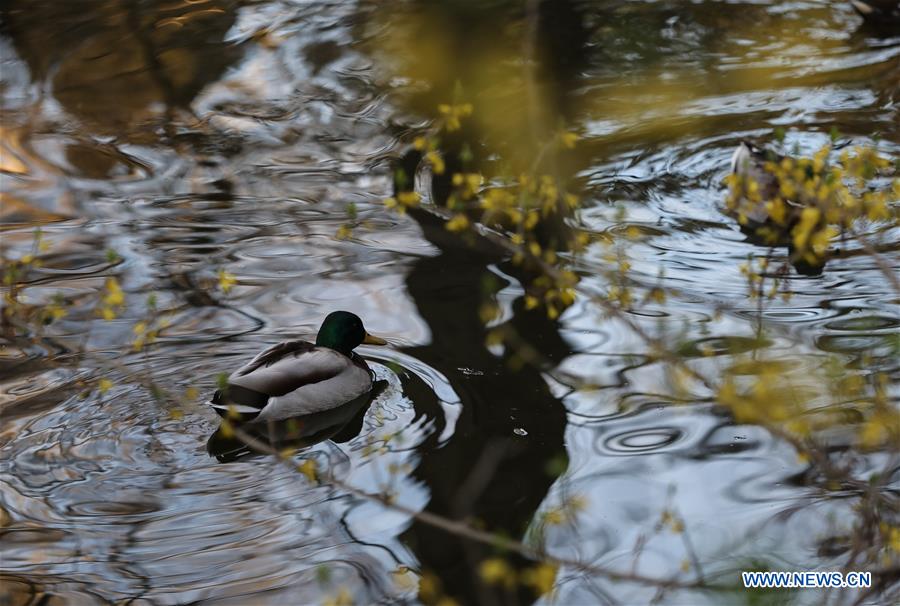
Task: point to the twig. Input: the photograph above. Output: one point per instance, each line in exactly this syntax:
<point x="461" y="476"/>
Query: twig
<point x="464" y="530"/>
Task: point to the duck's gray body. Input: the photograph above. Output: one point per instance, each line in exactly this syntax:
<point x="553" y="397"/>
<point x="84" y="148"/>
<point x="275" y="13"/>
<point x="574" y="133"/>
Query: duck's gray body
<point x="292" y="379"/>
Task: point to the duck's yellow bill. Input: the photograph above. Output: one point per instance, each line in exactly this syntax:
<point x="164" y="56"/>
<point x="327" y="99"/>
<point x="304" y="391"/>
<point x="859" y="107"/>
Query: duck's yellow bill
<point x="370" y="340"/>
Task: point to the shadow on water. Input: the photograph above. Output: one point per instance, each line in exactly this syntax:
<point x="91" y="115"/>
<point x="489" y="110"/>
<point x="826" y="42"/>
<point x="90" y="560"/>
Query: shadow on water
<point x="508" y="445"/>
<point x="486" y="471"/>
<point x="143" y="56"/>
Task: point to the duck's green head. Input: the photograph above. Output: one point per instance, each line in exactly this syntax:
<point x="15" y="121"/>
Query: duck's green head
<point x="342" y="331"/>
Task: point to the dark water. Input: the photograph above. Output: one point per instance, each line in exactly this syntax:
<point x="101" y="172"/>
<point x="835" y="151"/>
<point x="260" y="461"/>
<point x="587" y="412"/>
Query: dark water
<point x="190" y="137"/>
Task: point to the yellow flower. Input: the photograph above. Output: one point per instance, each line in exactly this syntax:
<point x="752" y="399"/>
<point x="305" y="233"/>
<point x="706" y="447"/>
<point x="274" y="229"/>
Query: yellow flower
<point x="55" y="312"/>
<point x="496" y="571"/>
<point x="874" y="432"/>
<point x="568" y="139"/>
<point x="876" y="208"/>
<point x="567" y="296"/>
<point x="472" y="182"/>
<point x="437" y="162"/>
<point x="801" y="232"/>
<point x="429" y="587"/>
<point x="753" y="188"/>
<point x="104" y="385"/>
<point x="787" y="189"/>
<point x="309" y="469"/>
<point x="892" y="540"/>
<point x="819" y="240"/>
<point x="226" y="280"/>
<point x="540" y="578"/>
<point x="495" y="337"/>
<point x="114" y="295"/>
<point x="408" y="198"/>
<point x="459" y="222"/>
<point x="819" y="159"/>
<point x="554" y="517"/>
<point x="777" y="210"/>
<point x="453" y="113"/>
<point x="657" y="295"/>
<point x="531" y="220"/>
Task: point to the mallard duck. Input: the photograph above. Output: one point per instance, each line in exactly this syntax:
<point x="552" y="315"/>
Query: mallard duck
<point x="296" y="378"/>
<point x="749" y="163"/>
<point x="882" y="14"/>
<point x="756" y="186"/>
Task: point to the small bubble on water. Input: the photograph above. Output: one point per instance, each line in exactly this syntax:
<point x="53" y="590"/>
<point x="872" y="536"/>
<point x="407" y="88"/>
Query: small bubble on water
<point x="520" y="432"/>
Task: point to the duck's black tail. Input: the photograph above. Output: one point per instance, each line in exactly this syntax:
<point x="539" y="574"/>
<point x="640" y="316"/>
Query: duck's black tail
<point x="238" y="403"/>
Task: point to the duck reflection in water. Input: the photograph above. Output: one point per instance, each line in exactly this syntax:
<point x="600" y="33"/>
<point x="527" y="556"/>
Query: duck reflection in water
<point x="116" y="67"/>
<point x="339" y="425"/>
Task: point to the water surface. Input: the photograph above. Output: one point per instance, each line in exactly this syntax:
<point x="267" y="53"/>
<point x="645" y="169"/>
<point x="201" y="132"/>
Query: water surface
<point x="195" y="137"/>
